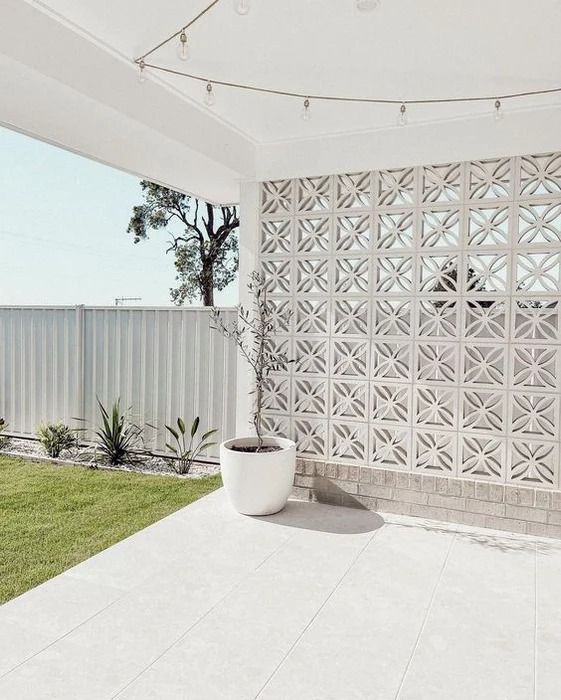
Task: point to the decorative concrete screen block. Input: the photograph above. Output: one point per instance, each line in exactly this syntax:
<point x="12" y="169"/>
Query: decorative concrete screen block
<point x="425" y="317"/>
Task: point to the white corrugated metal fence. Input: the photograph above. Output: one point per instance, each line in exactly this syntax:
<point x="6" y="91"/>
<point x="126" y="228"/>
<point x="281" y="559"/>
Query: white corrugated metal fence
<point x="161" y="362"/>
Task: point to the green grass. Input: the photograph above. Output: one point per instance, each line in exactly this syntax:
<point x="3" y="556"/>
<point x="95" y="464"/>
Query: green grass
<point x="53" y="517"/>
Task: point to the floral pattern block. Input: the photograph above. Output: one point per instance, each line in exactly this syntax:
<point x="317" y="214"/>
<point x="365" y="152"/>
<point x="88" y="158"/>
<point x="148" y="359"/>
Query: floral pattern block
<point x="396" y="187"/>
<point x="483" y="458"/>
<point x="489" y="179"/>
<point x="435" y="452"/>
<point x="390" y="447"/>
<point x="312" y="235"/>
<point x="421" y="306"/>
<point x="350" y="358"/>
<point x="391" y="403"/>
<point x="353" y="191"/>
<point x="352" y="233"/>
<point x="540" y="175"/>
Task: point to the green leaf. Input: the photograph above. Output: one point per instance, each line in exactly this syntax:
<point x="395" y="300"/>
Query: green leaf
<point x="207" y="445"/>
<point x="173" y="431"/>
<point x="181" y="425"/>
<point x="195" y="426"/>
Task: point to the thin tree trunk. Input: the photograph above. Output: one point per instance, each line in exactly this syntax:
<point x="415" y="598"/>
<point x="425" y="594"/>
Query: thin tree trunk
<point x="207" y="284"/>
<point x="208" y="296"/>
<point x="257" y="417"/>
<point x="260" y="378"/>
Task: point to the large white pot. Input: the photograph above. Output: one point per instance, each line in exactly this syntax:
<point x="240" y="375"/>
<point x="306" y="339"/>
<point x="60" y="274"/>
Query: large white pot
<point x="258" y="483"/>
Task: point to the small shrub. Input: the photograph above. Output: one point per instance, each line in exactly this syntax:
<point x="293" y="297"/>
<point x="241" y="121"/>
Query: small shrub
<point x="56" y="437"/>
<point x="117" y="438"/>
<point x="184" y="449"/>
<point x="4" y="439"/>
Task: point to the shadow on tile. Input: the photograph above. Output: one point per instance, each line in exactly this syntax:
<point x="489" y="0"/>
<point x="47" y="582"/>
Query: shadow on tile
<point x="507" y="542"/>
<point x="324" y="518"/>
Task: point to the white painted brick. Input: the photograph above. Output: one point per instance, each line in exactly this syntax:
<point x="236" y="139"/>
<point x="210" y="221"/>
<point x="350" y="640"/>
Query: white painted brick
<point x="473" y="505"/>
<point x="526" y="513"/>
<point x="375" y="491"/>
<point x="440" y="501"/>
<point x="408" y="496"/>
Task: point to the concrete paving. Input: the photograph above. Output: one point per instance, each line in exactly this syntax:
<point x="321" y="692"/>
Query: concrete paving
<point x="316" y="602"/>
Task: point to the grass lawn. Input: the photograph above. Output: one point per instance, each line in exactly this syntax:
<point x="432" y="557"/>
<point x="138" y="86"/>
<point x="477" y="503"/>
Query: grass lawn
<point x="54" y="517"/>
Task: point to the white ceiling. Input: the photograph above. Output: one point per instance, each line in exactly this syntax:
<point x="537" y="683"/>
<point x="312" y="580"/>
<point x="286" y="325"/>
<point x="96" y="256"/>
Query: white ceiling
<point x="67" y="76"/>
<point x="405" y="49"/>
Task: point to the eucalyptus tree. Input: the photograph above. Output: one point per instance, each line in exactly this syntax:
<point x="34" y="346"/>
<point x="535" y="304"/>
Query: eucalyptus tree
<point x="202" y="239"/>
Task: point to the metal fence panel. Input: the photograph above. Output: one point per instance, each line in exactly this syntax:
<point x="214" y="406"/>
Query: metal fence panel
<point x="162" y="363"/>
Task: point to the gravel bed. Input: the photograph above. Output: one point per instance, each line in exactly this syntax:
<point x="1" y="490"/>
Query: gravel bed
<point x="86" y="456"/>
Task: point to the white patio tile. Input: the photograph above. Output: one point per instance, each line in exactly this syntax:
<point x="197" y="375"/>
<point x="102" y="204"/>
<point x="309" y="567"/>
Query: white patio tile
<point x="183" y="536"/>
<point x="18" y="642"/>
<point x="316" y="602"/>
<point x="58" y="606"/>
<point x="128" y="563"/>
<point x="548" y="628"/>
<point x="360" y="643"/>
<point x="478" y="639"/>
<point x="132" y="632"/>
<point x="231" y="653"/>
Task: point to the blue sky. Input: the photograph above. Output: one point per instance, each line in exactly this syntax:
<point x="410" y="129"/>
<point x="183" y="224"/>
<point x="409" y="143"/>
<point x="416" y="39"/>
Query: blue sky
<point x="63" y="221"/>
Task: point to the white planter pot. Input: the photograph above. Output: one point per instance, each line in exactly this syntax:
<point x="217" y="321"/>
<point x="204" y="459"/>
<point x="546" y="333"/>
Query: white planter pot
<point x="258" y="483"/>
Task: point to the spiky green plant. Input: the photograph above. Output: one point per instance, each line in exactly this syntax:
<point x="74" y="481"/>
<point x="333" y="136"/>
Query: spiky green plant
<point x="4" y="439"/>
<point x="186" y="450"/>
<point x="56" y="437"/>
<point x="117" y="437"/>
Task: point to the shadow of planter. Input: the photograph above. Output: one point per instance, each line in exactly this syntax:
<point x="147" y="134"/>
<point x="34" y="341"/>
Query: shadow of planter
<point x="322" y="518"/>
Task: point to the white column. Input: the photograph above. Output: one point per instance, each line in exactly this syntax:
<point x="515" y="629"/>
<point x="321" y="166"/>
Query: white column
<point x="249" y="247"/>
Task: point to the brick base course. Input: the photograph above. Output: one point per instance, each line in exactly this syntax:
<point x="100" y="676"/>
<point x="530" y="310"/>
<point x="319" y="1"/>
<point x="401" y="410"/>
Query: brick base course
<point x="530" y="511"/>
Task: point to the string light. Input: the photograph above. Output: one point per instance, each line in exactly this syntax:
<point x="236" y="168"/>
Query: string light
<point x="402" y="118"/>
<point x="498" y="113"/>
<point x="210" y="99"/>
<point x="305" y="114"/>
<point x="141" y="74"/>
<point x="366" y="5"/>
<point x="183" y="46"/>
<point x="241" y="6"/>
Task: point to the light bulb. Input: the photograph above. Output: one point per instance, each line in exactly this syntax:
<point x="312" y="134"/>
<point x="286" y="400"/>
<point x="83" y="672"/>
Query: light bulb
<point x="305" y="114"/>
<point x="498" y="113"/>
<point x="183" y="46"/>
<point x="209" y="95"/>
<point x="366" y="5"/>
<point x="241" y="6"/>
<point x="402" y="116"/>
<point x="141" y="73"/>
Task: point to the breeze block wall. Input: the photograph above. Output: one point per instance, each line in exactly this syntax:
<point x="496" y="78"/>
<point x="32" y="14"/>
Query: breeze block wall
<point x="422" y="307"/>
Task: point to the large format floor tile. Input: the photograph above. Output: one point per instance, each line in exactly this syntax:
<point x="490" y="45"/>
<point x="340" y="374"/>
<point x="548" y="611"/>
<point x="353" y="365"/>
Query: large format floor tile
<point x="548" y="614"/>
<point x="316" y="602"/>
<point x="478" y="636"/>
<point x="360" y="643"/>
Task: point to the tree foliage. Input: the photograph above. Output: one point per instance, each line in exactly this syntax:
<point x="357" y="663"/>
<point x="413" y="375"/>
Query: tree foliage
<point x="201" y="238"/>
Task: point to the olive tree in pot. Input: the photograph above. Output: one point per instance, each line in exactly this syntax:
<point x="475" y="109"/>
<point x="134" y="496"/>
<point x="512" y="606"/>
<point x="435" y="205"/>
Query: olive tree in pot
<point x="258" y="470"/>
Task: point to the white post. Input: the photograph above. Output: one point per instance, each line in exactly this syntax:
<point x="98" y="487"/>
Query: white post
<point x="79" y="409"/>
<point x="249" y="247"/>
